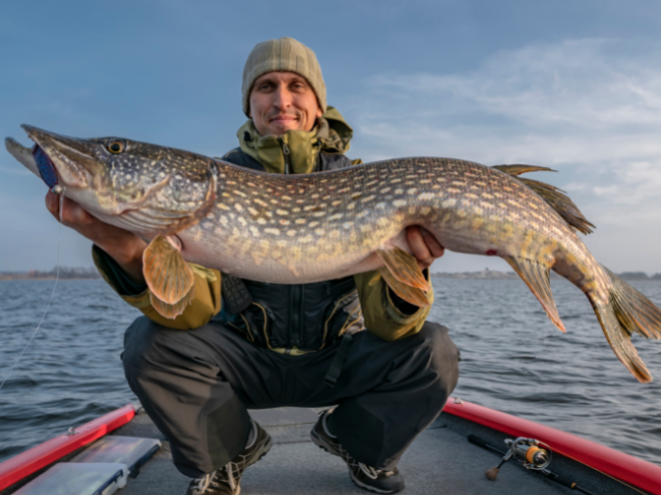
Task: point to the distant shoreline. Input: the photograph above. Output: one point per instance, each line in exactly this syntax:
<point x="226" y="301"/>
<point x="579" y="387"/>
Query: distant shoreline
<point x="17" y="277"/>
<point x="63" y="273"/>
<point x="496" y="275"/>
<point x="92" y="274"/>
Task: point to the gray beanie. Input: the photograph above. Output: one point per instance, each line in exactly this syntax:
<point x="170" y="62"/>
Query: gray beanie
<point x="287" y="55"/>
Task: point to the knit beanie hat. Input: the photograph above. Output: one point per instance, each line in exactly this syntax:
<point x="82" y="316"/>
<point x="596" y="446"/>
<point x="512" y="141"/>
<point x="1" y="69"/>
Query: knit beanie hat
<point x="287" y="55"/>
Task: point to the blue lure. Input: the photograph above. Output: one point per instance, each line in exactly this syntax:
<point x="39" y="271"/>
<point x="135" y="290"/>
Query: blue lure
<point x="45" y="166"/>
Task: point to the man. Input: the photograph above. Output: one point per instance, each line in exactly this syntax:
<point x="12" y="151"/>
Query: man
<point x="281" y="345"/>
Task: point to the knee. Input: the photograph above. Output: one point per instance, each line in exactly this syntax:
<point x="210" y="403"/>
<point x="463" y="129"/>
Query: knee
<point x="442" y="355"/>
<point x="140" y="345"/>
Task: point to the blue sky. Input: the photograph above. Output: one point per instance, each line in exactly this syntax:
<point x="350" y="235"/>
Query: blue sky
<point x="571" y="84"/>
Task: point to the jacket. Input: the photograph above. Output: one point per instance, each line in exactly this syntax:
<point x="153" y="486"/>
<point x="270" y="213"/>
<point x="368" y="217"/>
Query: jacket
<point x="299" y="318"/>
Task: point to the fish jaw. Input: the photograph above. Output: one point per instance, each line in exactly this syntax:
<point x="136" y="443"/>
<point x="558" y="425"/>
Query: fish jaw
<point x="74" y="165"/>
<point x="22" y="154"/>
<point x="147" y="189"/>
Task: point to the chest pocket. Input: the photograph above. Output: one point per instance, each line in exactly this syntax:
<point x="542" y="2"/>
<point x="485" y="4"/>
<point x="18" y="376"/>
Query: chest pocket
<point x="306" y="317"/>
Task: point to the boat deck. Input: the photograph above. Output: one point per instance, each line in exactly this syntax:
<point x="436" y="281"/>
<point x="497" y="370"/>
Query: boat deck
<point x="441" y="460"/>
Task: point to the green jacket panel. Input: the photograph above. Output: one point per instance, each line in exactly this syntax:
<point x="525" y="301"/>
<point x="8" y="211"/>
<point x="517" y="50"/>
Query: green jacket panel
<point x="205" y="304"/>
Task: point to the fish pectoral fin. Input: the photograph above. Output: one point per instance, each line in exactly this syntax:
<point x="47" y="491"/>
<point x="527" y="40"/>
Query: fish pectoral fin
<point x="171" y="311"/>
<point x="536" y="277"/>
<point x="413" y="295"/>
<point x="521" y="168"/>
<point x="170" y="279"/>
<point x="403" y="267"/>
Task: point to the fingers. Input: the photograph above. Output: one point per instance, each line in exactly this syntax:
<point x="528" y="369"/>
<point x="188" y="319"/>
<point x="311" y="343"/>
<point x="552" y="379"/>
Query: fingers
<point x="424" y="246"/>
<point x="434" y="246"/>
<point x="73" y="215"/>
<point x="53" y="204"/>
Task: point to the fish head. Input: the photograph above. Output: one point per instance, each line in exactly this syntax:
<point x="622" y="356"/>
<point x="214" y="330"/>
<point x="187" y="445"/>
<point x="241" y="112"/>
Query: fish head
<point x="145" y="188"/>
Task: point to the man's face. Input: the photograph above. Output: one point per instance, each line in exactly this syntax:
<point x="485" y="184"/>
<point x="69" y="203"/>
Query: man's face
<point x="283" y="101"/>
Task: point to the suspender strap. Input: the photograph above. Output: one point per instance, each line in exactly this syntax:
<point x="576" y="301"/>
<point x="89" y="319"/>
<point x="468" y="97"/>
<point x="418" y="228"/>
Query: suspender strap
<point x="338" y="362"/>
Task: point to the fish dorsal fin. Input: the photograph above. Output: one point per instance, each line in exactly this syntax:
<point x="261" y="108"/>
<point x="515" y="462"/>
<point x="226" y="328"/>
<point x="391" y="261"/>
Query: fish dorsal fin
<point x="170" y="279"/>
<point x="404" y="267"/>
<point x="554" y="196"/>
<point x="520" y="168"/>
<point x="561" y="203"/>
<point x="412" y="295"/>
<point x="536" y="277"/>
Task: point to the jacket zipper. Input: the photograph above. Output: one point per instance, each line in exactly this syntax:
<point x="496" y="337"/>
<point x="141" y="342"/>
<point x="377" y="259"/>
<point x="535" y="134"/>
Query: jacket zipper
<point x="296" y="292"/>
<point x="285" y="153"/>
<point x="296" y="297"/>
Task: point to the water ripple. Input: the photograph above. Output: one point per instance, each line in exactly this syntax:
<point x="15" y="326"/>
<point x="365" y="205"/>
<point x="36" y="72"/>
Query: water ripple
<point x="513" y="359"/>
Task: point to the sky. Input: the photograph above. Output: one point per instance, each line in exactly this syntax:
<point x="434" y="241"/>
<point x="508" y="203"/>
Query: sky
<point x="574" y="85"/>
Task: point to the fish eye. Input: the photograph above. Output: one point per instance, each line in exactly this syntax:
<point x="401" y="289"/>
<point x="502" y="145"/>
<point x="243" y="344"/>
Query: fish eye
<point x="116" y="146"/>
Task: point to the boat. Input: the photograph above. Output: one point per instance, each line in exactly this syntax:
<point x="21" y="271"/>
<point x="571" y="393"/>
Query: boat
<point x="469" y="449"/>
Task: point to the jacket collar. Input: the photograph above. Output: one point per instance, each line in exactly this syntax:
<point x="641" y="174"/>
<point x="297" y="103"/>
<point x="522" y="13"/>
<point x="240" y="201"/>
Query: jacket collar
<point x="331" y="134"/>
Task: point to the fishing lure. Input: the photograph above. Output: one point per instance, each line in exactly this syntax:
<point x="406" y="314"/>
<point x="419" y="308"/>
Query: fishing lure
<point x="46" y="169"/>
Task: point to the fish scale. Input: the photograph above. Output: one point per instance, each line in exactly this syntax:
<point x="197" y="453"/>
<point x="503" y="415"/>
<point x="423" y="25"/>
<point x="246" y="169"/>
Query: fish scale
<point x="296" y="229"/>
<point x="319" y="218"/>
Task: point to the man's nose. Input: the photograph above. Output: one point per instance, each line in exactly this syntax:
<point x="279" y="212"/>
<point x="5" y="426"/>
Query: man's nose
<point x="282" y="97"/>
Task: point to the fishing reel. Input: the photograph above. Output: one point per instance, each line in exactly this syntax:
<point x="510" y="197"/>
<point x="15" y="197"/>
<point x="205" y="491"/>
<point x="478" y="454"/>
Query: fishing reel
<point x="529" y="453"/>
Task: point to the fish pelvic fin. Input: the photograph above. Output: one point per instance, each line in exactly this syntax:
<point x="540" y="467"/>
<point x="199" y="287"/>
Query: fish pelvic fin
<point x="403" y="267"/>
<point x="536" y="277"/>
<point x="555" y="197"/>
<point x="413" y="295"/>
<point x="170" y="279"/>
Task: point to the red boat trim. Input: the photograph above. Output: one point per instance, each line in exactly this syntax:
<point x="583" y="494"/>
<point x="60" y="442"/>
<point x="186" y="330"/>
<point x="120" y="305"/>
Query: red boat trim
<point x="624" y="467"/>
<point x="32" y="460"/>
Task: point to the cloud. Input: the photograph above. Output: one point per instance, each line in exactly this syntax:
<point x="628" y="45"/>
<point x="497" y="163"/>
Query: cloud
<point x="590" y="108"/>
<point x="546" y="98"/>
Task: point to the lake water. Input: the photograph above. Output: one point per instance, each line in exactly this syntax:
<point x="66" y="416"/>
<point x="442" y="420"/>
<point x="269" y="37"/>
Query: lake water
<point x="514" y="360"/>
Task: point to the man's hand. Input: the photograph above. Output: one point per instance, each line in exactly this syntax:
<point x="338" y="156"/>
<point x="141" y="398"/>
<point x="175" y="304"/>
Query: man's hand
<point x="123" y="246"/>
<point x="424" y="246"/>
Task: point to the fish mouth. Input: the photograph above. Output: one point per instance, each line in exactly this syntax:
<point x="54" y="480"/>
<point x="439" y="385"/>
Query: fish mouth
<point x="70" y="159"/>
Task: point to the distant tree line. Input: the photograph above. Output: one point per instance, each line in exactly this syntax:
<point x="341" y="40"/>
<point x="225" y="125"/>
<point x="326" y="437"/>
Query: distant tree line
<point x="639" y="276"/>
<point x="65" y="272"/>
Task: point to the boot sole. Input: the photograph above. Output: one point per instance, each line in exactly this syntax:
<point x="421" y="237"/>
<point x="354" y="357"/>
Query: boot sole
<point x="367" y="487"/>
<point x="323" y="445"/>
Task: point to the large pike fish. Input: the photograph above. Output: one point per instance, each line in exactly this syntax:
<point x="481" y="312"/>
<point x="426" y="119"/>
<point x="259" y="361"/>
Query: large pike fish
<point x="321" y="226"/>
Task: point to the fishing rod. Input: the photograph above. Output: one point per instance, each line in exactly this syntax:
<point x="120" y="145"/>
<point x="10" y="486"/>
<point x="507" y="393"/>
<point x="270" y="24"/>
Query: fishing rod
<point x="528" y="454"/>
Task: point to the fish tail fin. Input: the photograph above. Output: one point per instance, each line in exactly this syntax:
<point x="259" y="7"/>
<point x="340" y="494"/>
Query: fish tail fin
<point x="554" y="196"/>
<point x="628" y="311"/>
<point x="635" y="312"/>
